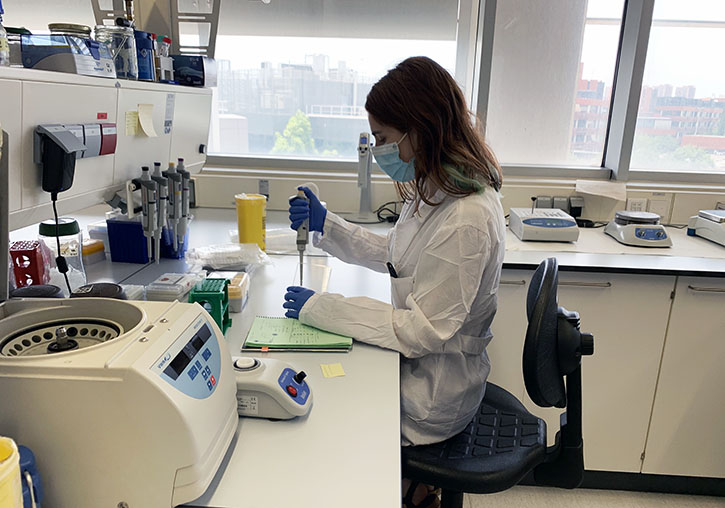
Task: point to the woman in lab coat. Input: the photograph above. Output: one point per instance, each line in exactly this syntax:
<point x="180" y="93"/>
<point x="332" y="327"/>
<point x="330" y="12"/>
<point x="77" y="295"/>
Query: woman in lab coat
<point x="444" y="255"/>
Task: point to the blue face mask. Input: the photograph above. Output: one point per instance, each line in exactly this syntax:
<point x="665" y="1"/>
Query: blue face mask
<point x="388" y="158"/>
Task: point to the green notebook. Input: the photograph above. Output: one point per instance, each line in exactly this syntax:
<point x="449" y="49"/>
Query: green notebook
<point x="289" y="334"/>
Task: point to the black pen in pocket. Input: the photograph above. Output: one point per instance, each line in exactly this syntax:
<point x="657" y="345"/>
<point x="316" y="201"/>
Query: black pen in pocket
<point x="391" y="269"/>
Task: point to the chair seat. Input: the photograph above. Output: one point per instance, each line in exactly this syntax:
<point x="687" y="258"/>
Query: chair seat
<point x="493" y="453"/>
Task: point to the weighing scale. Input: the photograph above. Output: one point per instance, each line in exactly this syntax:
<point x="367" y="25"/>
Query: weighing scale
<point x="543" y="224"/>
<point x="708" y="224"/>
<point x="638" y="229"/>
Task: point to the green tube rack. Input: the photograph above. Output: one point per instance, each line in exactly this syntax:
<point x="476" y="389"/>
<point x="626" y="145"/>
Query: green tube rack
<point x="213" y="296"/>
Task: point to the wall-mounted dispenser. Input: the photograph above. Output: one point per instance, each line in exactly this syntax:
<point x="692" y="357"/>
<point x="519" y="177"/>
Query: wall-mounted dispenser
<point x="57" y="146"/>
<point x="55" y="149"/>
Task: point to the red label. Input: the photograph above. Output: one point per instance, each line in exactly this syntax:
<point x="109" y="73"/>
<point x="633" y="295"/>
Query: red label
<point x="102" y="116"/>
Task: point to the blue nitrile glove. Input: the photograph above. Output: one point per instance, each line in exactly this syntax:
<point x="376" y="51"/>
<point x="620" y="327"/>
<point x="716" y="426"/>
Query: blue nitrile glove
<point x="299" y="210"/>
<point x="295" y="298"/>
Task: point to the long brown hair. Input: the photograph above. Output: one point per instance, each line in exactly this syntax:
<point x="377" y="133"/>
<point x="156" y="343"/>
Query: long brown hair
<point x="419" y="96"/>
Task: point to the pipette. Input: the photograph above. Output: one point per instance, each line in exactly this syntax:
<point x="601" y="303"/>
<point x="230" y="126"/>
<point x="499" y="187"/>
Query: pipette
<point x="149" y="190"/>
<point x="174" y="206"/>
<point x="184" y="218"/>
<point x="303" y="234"/>
<point x="163" y="199"/>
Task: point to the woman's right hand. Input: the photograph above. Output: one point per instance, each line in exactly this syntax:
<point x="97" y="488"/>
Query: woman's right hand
<point x="300" y="210"/>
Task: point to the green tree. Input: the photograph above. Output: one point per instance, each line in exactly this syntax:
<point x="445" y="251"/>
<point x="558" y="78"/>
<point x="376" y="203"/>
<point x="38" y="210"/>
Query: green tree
<point x="693" y="157"/>
<point x="666" y="153"/>
<point x="296" y="138"/>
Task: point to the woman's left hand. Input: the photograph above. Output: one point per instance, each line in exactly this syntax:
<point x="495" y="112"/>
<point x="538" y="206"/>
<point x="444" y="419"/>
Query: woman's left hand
<point x="295" y="298"/>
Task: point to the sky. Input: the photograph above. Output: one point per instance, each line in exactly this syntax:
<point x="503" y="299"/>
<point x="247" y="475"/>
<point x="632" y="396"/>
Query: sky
<point x="676" y="56"/>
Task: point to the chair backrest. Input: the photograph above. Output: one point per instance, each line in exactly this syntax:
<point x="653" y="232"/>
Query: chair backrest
<point x="553" y="349"/>
<point x="543" y="379"/>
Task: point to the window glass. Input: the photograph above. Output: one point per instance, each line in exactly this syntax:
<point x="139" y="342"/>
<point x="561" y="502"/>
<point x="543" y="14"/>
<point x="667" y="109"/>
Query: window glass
<point x="681" y="117"/>
<point x="36" y="14"/>
<point x="293" y="75"/>
<point x="551" y="80"/>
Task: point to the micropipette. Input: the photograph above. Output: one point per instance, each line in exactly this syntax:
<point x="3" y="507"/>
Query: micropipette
<point x="163" y="187"/>
<point x="302" y="234"/>
<point x="184" y="218"/>
<point x="174" y="207"/>
<point x="149" y="190"/>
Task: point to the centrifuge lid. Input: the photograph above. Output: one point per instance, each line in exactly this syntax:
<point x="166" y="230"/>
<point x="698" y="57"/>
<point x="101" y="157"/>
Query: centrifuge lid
<point x="28" y="327"/>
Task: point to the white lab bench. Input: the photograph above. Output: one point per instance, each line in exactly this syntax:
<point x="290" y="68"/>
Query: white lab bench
<point x="634" y="418"/>
<point x="649" y="357"/>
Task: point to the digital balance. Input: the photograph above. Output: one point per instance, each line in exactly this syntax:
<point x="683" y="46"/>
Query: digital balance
<point x="543" y="224"/>
<point x="639" y="229"/>
<point x="708" y="224"/>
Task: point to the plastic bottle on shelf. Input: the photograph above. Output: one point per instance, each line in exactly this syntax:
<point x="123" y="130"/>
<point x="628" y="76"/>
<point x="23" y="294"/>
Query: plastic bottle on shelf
<point x="4" y="45"/>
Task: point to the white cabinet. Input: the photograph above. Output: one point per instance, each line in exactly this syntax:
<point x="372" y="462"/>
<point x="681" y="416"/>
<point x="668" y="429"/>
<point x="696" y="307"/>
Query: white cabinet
<point x="687" y="434"/>
<point x="192" y="114"/>
<point x="140" y="149"/>
<point x="509" y="330"/>
<point x="11" y="94"/>
<point x="628" y="316"/>
<point x="31" y="97"/>
<point x="45" y="103"/>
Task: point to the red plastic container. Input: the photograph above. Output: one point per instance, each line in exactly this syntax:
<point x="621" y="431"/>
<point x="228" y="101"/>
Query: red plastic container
<point x="29" y="263"/>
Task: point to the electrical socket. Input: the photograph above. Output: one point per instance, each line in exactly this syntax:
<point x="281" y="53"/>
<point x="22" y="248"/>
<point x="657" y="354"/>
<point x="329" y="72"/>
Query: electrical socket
<point x="264" y="188"/>
<point x="659" y="206"/>
<point x="544" y="202"/>
<point x="637" y="204"/>
<point x="562" y="203"/>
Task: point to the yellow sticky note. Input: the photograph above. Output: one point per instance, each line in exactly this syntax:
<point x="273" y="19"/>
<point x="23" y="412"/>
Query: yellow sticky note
<point x="131" y="123"/>
<point x="332" y="369"/>
<point x="146" y="119"/>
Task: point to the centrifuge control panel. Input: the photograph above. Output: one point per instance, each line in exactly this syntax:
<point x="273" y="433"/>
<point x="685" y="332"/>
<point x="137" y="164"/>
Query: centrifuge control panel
<point x="193" y="363"/>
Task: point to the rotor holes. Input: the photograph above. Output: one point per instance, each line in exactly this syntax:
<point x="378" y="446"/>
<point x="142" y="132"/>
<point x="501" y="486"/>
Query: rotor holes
<point x="101" y="334"/>
<point x="18" y="347"/>
<point x="26" y="343"/>
<point x="84" y="331"/>
<point x="12" y="352"/>
<point x="94" y="332"/>
<point x="36" y="338"/>
<point x="47" y="335"/>
<point x="72" y="331"/>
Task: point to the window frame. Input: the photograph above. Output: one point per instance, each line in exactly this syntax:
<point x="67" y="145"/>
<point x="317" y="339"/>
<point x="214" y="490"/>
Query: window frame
<point x="475" y="38"/>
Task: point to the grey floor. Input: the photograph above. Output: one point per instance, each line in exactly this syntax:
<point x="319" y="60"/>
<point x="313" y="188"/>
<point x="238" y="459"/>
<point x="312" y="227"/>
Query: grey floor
<point x="541" y="497"/>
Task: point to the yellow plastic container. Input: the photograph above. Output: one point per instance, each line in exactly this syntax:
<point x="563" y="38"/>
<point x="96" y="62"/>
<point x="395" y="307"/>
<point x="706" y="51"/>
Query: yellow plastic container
<point x="252" y="218"/>
<point x="11" y="491"/>
<point x="238" y="288"/>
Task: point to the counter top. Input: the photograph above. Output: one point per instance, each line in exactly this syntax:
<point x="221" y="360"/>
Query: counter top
<point x="594" y="251"/>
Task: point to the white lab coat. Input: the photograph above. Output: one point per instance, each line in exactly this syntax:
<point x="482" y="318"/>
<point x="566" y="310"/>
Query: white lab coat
<point x="448" y="260"/>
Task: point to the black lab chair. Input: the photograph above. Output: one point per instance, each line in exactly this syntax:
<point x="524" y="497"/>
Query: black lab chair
<point x="504" y="442"/>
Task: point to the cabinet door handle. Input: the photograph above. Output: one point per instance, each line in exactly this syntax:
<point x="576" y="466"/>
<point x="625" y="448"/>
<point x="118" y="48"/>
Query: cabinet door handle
<point x="586" y="284"/>
<point x="706" y="290"/>
<point x="512" y="283"/>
